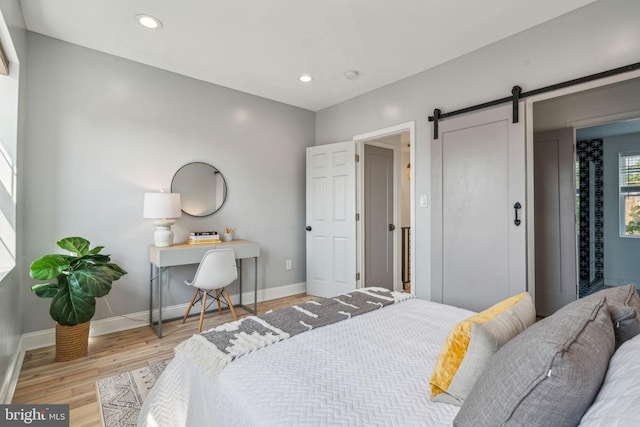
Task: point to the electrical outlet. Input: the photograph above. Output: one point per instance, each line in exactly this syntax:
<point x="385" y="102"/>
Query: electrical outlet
<point x="288" y="264"/>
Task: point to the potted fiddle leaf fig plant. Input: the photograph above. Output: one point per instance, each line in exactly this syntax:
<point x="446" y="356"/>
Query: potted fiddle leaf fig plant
<point x="81" y="276"/>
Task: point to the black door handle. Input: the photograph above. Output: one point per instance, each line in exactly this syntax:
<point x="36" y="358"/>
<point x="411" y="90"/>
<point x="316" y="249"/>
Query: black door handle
<point x="516" y="207"/>
<point x="308" y="228"/>
<point x="392" y="227"/>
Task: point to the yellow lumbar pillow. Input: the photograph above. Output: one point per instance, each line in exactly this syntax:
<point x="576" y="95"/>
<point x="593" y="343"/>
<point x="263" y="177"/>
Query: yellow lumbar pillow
<point x="472" y="342"/>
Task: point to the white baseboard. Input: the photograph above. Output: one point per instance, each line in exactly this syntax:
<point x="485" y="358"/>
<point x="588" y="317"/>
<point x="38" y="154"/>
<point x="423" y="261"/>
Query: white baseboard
<point x="47" y="337"/>
<point x="12" y="375"/>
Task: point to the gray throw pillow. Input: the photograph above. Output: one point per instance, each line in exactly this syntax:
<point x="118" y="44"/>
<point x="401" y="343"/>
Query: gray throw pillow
<point x="626" y="322"/>
<point x="624" y="303"/>
<point x="548" y="375"/>
<point x="623" y="295"/>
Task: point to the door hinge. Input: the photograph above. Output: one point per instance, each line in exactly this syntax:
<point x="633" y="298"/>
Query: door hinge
<point x="357" y="158"/>
<point x="357" y="276"/>
<point x="357" y="217"/>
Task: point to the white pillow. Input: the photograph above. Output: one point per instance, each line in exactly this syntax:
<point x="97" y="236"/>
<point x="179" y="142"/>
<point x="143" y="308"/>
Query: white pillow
<point x="617" y="402"/>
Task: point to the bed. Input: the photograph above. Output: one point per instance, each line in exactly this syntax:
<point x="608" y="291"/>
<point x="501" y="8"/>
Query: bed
<point x="373" y="369"/>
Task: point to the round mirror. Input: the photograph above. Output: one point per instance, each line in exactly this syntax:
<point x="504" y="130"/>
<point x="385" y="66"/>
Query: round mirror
<point x="202" y="188"/>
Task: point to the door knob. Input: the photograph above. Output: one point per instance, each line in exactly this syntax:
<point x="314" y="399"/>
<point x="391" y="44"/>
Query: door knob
<point x="308" y="228"/>
<point x="392" y="227"/>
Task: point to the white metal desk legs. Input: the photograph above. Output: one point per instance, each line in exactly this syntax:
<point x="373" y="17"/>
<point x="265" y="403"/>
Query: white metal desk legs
<point x="255" y="287"/>
<point x="156" y="274"/>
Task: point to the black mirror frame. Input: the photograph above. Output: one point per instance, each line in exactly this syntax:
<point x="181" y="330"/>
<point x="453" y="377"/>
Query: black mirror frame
<point x="217" y="172"/>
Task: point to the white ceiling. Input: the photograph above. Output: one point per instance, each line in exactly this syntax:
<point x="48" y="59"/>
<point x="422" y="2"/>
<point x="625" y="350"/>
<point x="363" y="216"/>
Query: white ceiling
<point x="262" y="46"/>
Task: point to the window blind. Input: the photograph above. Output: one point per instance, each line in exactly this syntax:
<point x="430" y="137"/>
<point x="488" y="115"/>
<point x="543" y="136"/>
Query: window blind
<point x="629" y="164"/>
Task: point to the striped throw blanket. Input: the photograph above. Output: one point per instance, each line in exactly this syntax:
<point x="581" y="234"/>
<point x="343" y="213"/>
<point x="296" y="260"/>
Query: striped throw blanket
<point x="214" y="349"/>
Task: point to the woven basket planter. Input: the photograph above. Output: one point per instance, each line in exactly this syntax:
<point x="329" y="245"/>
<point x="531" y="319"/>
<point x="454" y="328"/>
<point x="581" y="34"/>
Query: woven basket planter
<point x="72" y="342"/>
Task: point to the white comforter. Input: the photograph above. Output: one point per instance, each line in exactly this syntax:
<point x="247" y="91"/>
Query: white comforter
<point x="371" y="370"/>
<point x="618" y="400"/>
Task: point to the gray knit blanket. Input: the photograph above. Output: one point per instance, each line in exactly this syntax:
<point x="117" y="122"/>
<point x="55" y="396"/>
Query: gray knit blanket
<point x="214" y="349"/>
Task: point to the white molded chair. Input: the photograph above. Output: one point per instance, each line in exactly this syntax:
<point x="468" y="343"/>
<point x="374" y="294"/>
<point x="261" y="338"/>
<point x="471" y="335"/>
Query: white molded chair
<point x="216" y="271"/>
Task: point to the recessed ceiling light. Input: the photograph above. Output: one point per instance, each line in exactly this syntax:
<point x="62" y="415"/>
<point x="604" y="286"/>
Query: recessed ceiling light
<point x="306" y="78"/>
<point x="149" y="21"/>
<point x="352" y="75"/>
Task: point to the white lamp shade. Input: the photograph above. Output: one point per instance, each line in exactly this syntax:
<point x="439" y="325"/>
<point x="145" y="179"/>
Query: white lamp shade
<point x="162" y="205"/>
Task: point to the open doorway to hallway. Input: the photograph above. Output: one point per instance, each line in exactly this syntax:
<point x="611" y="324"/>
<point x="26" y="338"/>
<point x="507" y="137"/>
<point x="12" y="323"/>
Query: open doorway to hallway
<point x="594" y="192"/>
<point x="385" y="211"/>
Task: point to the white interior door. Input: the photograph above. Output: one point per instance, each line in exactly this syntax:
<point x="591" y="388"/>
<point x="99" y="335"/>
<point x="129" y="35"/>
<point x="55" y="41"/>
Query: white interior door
<point x="479" y="255"/>
<point x="555" y="234"/>
<point x="331" y="219"/>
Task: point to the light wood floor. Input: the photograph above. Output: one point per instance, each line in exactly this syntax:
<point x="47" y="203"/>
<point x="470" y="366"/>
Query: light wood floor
<point x="45" y="381"/>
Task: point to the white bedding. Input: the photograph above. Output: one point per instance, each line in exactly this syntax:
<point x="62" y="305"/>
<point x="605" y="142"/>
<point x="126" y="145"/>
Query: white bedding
<point x="618" y="400"/>
<point x="371" y="370"/>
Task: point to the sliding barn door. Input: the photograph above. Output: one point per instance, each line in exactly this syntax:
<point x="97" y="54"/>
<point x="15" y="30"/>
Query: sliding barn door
<point x="331" y="219"/>
<point x="478" y="165"/>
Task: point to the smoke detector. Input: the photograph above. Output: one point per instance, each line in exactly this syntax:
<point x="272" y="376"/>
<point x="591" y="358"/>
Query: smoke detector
<point x="351" y="75"/>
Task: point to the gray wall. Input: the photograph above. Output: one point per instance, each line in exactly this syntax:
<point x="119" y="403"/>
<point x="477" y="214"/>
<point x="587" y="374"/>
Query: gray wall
<point x="11" y="134"/>
<point x="621" y="254"/>
<point x="103" y="130"/>
<point x="595" y="38"/>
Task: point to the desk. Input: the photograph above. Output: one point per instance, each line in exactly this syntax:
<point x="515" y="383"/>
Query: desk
<point x="161" y="259"/>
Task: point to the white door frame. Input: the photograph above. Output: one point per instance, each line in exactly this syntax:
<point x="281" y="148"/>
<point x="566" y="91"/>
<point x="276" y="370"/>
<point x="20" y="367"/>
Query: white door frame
<point x="361" y="140"/>
<point x="529" y="101"/>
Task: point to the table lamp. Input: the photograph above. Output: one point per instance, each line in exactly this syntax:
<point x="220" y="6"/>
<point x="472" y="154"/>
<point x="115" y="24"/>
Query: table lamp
<point x="162" y="207"/>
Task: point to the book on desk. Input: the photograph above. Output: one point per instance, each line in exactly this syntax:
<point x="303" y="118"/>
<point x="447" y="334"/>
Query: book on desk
<point x="203" y="241"/>
<point x="203" y="237"/>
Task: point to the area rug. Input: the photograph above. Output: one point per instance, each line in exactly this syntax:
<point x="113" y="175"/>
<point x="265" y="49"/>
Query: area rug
<point x="120" y="396"/>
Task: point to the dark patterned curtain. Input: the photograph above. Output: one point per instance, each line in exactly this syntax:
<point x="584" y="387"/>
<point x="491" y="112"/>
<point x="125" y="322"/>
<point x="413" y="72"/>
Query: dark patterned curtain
<point x="590" y="152"/>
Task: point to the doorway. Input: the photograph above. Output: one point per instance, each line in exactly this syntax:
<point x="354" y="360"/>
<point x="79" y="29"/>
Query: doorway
<point x="597" y="211"/>
<point x="385" y="208"/>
